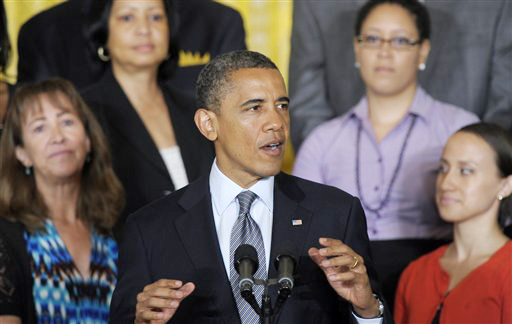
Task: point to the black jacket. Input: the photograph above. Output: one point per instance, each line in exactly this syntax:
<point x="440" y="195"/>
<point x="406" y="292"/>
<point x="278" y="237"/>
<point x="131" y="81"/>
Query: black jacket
<point x="175" y="238"/>
<point x="136" y="159"/>
<point x="16" y="281"/>
<point x="53" y="42"/>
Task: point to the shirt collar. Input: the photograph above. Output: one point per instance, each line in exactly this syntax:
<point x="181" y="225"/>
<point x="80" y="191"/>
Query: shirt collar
<point x="226" y="190"/>
<point x="420" y="106"/>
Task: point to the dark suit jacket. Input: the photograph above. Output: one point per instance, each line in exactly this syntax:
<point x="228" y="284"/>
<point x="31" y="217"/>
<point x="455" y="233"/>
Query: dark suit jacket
<point x="53" y="43"/>
<point x="175" y="238"/>
<point x="206" y="28"/>
<point x="136" y="159"/>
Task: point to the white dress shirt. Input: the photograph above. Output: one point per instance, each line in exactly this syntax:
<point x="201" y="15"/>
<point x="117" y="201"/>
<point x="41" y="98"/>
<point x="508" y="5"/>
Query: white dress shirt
<point x="225" y="208"/>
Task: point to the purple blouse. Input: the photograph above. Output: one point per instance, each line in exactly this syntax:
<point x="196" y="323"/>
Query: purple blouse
<point x="329" y="156"/>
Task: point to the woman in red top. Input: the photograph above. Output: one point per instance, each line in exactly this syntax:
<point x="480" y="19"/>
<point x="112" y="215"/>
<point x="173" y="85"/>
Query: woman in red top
<point x="469" y="280"/>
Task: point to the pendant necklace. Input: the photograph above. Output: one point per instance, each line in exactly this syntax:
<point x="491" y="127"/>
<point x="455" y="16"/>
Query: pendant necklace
<point x="384" y="201"/>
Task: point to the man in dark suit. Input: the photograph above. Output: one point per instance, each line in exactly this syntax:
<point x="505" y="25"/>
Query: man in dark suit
<point x="178" y="262"/>
<point x="53" y="43"/>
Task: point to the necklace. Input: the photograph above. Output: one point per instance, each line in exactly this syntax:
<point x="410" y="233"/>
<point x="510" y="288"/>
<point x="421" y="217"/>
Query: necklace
<point x="395" y="172"/>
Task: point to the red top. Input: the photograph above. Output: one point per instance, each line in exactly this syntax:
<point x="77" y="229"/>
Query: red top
<point x="483" y="296"/>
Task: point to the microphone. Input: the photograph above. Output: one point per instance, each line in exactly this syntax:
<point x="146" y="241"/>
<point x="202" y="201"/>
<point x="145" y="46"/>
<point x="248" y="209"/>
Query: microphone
<point x="246" y="264"/>
<point x="285" y="264"/>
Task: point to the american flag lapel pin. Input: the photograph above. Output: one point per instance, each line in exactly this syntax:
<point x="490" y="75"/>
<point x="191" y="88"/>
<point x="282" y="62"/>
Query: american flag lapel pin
<point x="296" y="222"/>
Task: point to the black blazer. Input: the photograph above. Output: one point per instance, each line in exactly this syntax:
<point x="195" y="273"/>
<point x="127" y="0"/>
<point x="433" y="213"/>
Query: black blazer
<point x="53" y="42"/>
<point x="16" y="282"/>
<point x="136" y="159"/>
<point x="175" y="238"/>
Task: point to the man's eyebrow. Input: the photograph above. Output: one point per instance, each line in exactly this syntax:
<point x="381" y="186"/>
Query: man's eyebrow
<point x="252" y="101"/>
<point x="259" y="101"/>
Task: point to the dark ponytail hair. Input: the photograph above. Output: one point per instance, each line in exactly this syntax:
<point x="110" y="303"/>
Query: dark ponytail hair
<point x="501" y="143"/>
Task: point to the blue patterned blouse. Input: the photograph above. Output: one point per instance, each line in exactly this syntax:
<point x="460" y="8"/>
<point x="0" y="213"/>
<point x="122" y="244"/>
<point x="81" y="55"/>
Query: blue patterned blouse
<point x="61" y="294"/>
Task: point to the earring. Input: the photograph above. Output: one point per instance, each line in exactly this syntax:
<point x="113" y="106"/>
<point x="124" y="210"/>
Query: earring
<point x="422" y="66"/>
<point x="28" y="171"/>
<point x="500" y="197"/>
<point x="102" y="53"/>
<point x="357" y="65"/>
<point x="88" y="157"/>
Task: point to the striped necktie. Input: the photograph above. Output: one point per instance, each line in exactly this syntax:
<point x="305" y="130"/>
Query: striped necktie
<point x="246" y="231"/>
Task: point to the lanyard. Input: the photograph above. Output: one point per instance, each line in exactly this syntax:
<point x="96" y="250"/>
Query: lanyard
<point x="384" y="201"/>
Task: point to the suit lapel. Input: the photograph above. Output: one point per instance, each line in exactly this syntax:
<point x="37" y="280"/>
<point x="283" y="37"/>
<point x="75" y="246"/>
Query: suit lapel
<point x="291" y="221"/>
<point x="197" y="231"/>
<point x="120" y="113"/>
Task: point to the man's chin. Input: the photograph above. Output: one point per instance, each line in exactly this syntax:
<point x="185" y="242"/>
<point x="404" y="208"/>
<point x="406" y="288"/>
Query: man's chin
<point x="271" y="170"/>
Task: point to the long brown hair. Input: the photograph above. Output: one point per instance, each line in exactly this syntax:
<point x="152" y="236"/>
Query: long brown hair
<point x="101" y="195"/>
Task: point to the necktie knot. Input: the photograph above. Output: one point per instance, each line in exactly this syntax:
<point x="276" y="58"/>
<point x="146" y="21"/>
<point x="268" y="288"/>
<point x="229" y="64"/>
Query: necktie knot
<point x="245" y="199"/>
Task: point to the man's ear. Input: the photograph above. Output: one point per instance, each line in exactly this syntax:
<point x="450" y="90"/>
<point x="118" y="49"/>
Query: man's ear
<point x="206" y="122"/>
<point x="22" y="156"/>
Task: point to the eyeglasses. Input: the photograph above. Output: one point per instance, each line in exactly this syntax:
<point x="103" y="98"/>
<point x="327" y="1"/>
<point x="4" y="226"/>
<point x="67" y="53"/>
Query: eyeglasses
<point x="398" y="43"/>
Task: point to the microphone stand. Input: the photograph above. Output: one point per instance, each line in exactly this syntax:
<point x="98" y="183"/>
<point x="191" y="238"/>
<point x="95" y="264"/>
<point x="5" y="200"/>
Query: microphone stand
<point x="282" y="296"/>
<point x="266" y="307"/>
<point x="268" y="315"/>
<point x="249" y="297"/>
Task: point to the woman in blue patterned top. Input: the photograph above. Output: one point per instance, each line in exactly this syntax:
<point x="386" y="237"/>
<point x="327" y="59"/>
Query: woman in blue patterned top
<point x="59" y="198"/>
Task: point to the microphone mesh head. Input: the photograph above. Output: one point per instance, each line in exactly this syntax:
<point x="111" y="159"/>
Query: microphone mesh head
<point x="246" y="251"/>
<point x="286" y="250"/>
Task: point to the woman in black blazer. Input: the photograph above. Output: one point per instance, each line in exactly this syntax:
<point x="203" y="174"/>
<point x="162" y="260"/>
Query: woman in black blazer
<point x="155" y="144"/>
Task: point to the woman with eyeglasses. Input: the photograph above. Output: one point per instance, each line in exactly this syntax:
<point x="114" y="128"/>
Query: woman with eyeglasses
<point x="470" y="279"/>
<point x="385" y="150"/>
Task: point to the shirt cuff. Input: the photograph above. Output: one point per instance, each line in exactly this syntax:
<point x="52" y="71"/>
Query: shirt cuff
<point x="360" y="320"/>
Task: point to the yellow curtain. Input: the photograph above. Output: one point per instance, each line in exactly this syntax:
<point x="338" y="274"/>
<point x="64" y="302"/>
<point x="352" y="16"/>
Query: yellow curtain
<point x="18" y="12"/>
<point x="268" y="25"/>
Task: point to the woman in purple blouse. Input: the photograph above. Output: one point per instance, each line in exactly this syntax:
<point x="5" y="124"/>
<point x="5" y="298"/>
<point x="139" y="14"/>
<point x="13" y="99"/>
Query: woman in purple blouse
<point x="386" y="149"/>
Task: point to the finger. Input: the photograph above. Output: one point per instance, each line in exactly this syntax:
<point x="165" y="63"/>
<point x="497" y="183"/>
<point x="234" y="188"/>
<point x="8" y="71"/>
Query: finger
<point x="165" y="298"/>
<point x="161" y="303"/>
<point x="150" y="315"/>
<point x="165" y="283"/>
<point x="335" y="249"/>
<point x="162" y="293"/>
<point x="341" y="261"/>
<point x="315" y="256"/>
<point x="187" y="289"/>
<point x="327" y="241"/>
<point x="341" y="277"/>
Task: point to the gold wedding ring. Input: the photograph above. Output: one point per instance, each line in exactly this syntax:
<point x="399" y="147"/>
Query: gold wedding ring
<point x="356" y="262"/>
